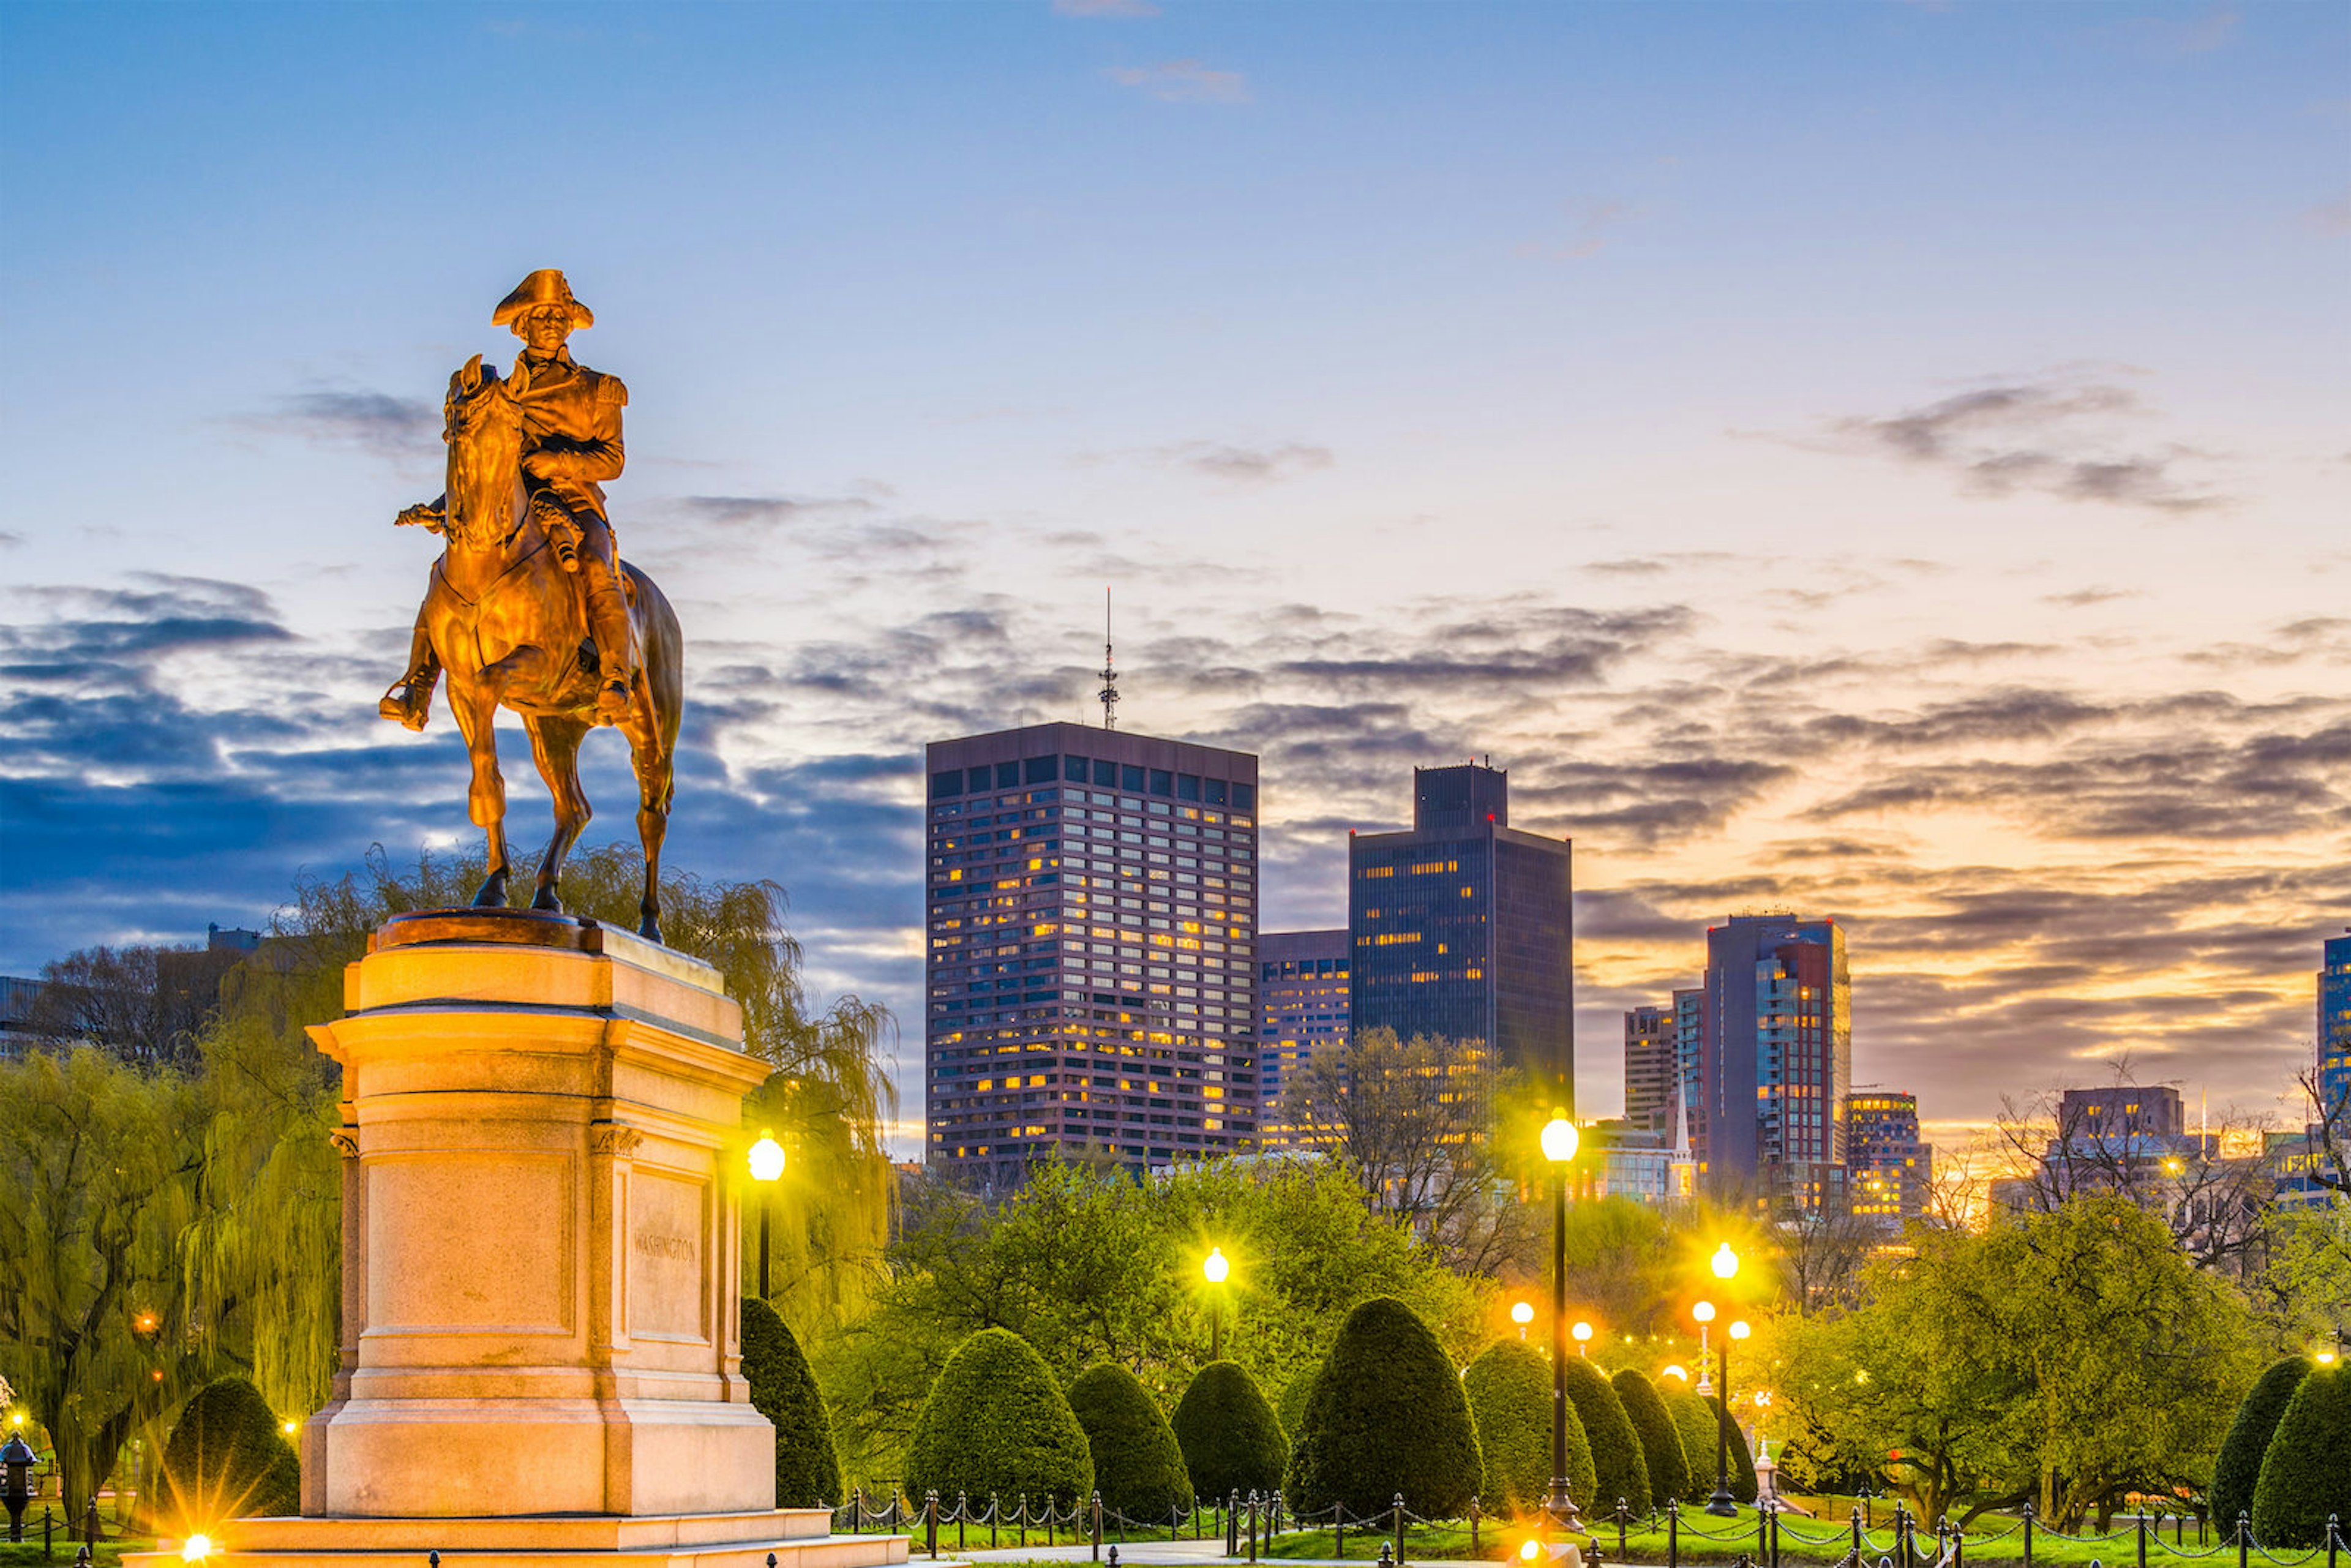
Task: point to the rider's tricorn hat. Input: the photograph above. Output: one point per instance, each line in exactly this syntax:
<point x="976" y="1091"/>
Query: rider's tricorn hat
<point x="545" y="287"/>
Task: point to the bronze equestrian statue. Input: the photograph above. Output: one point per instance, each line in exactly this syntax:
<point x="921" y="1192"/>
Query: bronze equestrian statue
<point x="529" y="607"/>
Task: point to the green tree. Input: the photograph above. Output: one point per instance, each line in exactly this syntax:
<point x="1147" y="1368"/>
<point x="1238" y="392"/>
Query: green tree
<point x="2306" y="1474"/>
<point x="1230" y="1439"/>
<point x="1509" y="1387"/>
<point x="998" y="1425"/>
<point x="1388" y="1418"/>
<point x="225" y="1460"/>
<point x="2237" y="1471"/>
<point x="1661" y="1445"/>
<point x="1139" y="1468"/>
<point x="783" y="1389"/>
<point x="1624" y="1472"/>
<point x="1694" y="1424"/>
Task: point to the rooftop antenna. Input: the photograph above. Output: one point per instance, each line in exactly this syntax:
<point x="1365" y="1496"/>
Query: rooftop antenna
<point x="1109" y="672"/>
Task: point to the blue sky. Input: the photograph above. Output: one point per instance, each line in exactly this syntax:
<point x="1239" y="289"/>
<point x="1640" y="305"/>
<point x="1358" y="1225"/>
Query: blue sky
<point x="1883" y="459"/>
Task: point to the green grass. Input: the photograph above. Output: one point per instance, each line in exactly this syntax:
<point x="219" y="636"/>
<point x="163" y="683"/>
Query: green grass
<point x="107" y="1553"/>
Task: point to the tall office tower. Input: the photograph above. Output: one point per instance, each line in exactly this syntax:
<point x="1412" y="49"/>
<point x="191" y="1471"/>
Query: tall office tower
<point x="1301" y="1008"/>
<point x="2335" y="1023"/>
<point x="1891" y="1169"/>
<point x="1090" y="977"/>
<point x="1777" y="1060"/>
<point x="1690" y="1054"/>
<point x="1652" y="1069"/>
<point x="1462" y="926"/>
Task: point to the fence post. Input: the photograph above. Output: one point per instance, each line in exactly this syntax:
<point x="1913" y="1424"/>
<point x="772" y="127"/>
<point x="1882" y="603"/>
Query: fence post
<point x="1233" y="1523"/>
<point x="1673" y="1532"/>
<point x="2142" y="1535"/>
<point x="2244" y="1536"/>
<point x="963" y="1512"/>
<point x="1256" y="1502"/>
<point x="1856" y="1535"/>
<point x="1473" y="1527"/>
<point x="931" y="1521"/>
<point x="1763" y="1531"/>
<point x="1339" y="1530"/>
<point x="1774" y="1507"/>
<point x="1959" y="1545"/>
<point x="2028" y="1534"/>
<point x="89" y="1529"/>
<point x="1399" y="1529"/>
<point x="1097" y="1513"/>
<point x="2334" y="1537"/>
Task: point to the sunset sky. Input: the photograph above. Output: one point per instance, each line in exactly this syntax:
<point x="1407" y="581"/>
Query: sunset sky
<point x="1891" y="461"/>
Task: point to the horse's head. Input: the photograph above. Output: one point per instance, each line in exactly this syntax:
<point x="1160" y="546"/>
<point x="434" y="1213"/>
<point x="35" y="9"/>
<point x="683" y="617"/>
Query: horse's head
<point x="482" y="423"/>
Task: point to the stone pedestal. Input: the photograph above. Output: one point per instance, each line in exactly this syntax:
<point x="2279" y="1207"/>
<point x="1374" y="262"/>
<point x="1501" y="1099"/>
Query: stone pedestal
<point x="541" y="1342"/>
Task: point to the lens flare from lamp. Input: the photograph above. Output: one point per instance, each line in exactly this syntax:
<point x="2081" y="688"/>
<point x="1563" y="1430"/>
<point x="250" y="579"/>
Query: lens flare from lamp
<point x="1725" y="1261"/>
<point x="1703" y="1311"/>
<point x="1677" y="1370"/>
<point x="1739" y="1330"/>
<point x="766" y="1157"/>
<point x="1521" y="1313"/>
<point x="1559" y="1139"/>
<point x="1215" y="1267"/>
<point x="1530" y="1550"/>
<point x="1582" y="1331"/>
<point x="2325" y="1358"/>
<point x="292" y="1427"/>
<point x="197" y="1549"/>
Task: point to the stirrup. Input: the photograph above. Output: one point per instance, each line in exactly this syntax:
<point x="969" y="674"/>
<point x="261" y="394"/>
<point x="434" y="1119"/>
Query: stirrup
<point x="405" y="704"/>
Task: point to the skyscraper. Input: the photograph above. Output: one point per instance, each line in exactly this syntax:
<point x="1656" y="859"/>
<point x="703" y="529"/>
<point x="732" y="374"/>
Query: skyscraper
<point x="1091" y="975"/>
<point x="1777" y="1060"/>
<point x="1651" y="1069"/>
<point x="1890" y="1167"/>
<point x="2335" y="1021"/>
<point x="1462" y="926"/>
<point x="1301" y="1008"/>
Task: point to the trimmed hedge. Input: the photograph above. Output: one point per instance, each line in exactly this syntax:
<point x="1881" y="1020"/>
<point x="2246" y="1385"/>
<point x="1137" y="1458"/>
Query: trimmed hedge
<point x="1510" y="1396"/>
<point x="2237" y="1471"/>
<point x="1661" y="1443"/>
<point x="1389" y="1418"/>
<point x="1616" y="1455"/>
<point x="1291" y="1407"/>
<point x="996" y="1424"/>
<point x="1693" y="1419"/>
<point x="226" y="1458"/>
<point x="1138" y="1465"/>
<point x="1232" y="1442"/>
<point x="783" y="1389"/>
<point x="2306" y="1472"/>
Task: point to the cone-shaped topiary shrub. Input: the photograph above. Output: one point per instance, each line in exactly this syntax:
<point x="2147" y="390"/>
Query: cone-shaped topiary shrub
<point x="783" y="1389"/>
<point x="1138" y="1465"/>
<point x="1693" y="1420"/>
<point x="1232" y="1439"/>
<point x="1615" y="1445"/>
<point x="226" y="1458"/>
<point x="1661" y="1441"/>
<point x="2306" y="1473"/>
<point x="1388" y="1418"/>
<point x="996" y="1424"/>
<point x="1509" y="1394"/>
<point x="2238" y="1467"/>
<point x="1291" y="1407"/>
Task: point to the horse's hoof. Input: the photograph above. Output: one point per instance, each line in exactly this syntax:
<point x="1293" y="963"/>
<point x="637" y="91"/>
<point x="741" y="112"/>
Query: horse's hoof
<point x="650" y="929"/>
<point x="549" y="900"/>
<point x="493" y="894"/>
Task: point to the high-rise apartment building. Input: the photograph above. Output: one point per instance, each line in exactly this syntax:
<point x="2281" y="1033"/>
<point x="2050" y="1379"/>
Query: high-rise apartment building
<point x="1090" y="973"/>
<point x="1689" y="1058"/>
<point x="1462" y="926"/>
<point x="1890" y="1168"/>
<point x="1776" y="1059"/>
<point x="2335" y="1021"/>
<point x="1301" y="1008"/>
<point x="1652" y="1068"/>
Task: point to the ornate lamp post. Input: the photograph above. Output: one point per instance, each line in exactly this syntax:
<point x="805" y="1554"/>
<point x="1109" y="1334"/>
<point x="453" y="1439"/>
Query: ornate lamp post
<point x="1523" y="1313"/>
<point x="18" y="1458"/>
<point x="1559" y="1148"/>
<point x="767" y="1169"/>
<point x="1704" y="1313"/>
<point x="1215" y="1268"/>
<point x="1725" y="1264"/>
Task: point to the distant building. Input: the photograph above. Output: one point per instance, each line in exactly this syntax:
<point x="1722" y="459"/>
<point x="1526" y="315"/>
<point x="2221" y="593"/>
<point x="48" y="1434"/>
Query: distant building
<point x="1462" y="926"/>
<point x="2121" y="1137"/>
<point x="1776" y="1060"/>
<point x="1652" y="1067"/>
<point x="1689" y="1058"/>
<point x="1625" y="1159"/>
<point x="1091" y="968"/>
<point x="1891" y="1169"/>
<point x="1301" y="1008"/>
<point x="2334" y="1026"/>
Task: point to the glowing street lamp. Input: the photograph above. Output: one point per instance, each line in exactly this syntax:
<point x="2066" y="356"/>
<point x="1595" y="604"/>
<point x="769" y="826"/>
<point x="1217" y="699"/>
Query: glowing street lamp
<point x="197" y="1549"/>
<point x="1677" y="1370"/>
<point x="1558" y="1142"/>
<point x="1583" y="1333"/>
<point x="767" y="1169"/>
<point x="1523" y="1313"/>
<point x="1216" y="1268"/>
<point x="1725" y="1262"/>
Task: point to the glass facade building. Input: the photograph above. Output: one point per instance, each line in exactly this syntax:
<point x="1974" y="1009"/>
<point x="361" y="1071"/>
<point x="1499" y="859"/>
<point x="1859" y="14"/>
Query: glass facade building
<point x="1301" y="1006"/>
<point x="2335" y="1021"/>
<point x="1652" y="1068"/>
<point x="1777" y="1060"/>
<point x="1462" y="926"/>
<point x="1090" y="969"/>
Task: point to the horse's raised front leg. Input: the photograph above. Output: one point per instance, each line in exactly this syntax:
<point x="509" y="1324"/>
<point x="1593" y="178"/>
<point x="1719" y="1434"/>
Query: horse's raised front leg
<point x="555" y="746"/>
<point x="476" y="707"/>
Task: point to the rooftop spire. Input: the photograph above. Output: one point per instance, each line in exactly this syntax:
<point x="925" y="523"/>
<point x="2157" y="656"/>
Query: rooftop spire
<point x="1109" y="672"/>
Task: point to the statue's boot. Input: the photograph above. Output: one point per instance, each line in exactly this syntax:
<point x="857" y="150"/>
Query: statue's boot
<point x="410" y="700"/>
<point x="616" y="654"/>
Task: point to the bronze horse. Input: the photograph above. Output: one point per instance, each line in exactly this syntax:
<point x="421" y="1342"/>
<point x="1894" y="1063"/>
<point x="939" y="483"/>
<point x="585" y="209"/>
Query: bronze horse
<point x="507" y="624"/>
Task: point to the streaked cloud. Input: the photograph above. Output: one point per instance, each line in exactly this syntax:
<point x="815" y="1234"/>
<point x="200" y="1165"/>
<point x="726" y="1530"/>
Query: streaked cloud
<point x="378" y="422"/>
<point x="1183" y="81"/>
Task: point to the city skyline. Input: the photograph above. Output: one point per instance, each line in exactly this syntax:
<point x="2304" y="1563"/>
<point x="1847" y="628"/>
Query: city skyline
<point x="1880" y="461"/>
